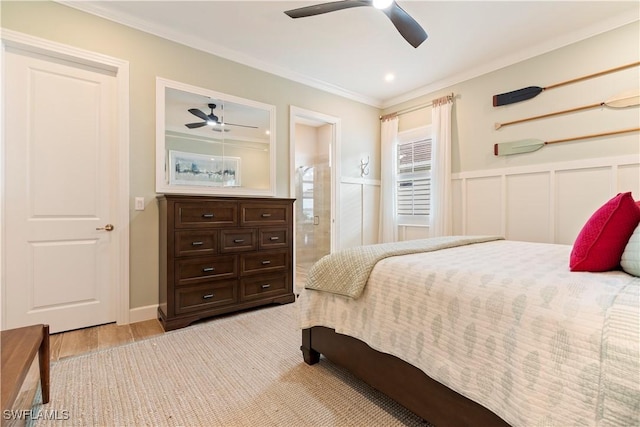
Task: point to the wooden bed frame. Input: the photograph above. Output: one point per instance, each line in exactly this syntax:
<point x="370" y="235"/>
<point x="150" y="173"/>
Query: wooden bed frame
<point x="399" y="380"/>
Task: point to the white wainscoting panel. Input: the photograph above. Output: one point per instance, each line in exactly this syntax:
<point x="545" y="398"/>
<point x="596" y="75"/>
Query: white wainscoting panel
<point x="457" y="206"/>
<point x="629" y="179"/>
<point x="579" y="193"/>
<point x="528" y="208"/>
<point x="543" y="203"/>
<point x="483" y="210"/>
<point x="370" y="213"/>
<point x="350" y="215"/>
<point x="359" y="212"/>
<point x="540" y="203"/>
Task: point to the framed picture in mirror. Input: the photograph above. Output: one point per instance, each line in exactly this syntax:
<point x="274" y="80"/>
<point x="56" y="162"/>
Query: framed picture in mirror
<point x="201" y="169"/>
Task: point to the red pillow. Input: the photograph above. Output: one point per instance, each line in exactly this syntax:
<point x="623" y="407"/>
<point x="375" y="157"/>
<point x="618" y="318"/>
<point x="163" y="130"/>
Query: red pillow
<point x="602" y="240"/>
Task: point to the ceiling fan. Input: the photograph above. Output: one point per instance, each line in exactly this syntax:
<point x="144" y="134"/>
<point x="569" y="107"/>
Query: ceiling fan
<point x="217" y="124"/>
<point x="404" y="23"/>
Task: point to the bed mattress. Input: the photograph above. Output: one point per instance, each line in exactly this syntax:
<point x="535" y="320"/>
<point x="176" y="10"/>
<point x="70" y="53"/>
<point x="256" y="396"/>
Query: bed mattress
<point x="506" y="324"/>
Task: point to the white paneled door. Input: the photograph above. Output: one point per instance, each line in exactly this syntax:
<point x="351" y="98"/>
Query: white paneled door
<point x="59" y="204"/>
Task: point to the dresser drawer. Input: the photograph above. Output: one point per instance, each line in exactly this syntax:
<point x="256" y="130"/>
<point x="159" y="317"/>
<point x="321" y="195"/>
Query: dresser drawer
<point x="263" y="286"/>
<point x="189" y="243"/>
<point x="202" y="297"/>
<point x="273" y="238"/>
<point x="222" y="254"/>
<point x="264" y="262"/>
<point x="205" y="214"/>
<point x="238" y="240"/>
<point x="265" y="213"/>
<point x="197" y="270"/>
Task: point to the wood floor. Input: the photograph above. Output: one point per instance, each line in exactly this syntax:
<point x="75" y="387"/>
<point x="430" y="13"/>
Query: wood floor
<point x="73" y="343"/>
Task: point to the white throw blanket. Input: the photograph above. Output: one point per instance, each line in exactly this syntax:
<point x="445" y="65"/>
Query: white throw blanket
<point x="346" y="272"/>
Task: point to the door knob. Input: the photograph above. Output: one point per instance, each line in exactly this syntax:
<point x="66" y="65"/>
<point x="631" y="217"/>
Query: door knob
<point x="107" y="227"/>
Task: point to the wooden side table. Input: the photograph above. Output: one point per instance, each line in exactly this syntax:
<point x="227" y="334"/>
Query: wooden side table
<point x="19" y="347"/>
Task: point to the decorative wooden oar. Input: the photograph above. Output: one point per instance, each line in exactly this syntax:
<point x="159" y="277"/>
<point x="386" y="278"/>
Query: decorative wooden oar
<point x="622" y="101"/>
<point x="532" y="91"/>
<point x="529" y="145"/>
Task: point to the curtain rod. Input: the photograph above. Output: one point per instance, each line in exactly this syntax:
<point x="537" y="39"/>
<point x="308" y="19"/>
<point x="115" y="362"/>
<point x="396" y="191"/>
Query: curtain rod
<point x="412" y="109"/>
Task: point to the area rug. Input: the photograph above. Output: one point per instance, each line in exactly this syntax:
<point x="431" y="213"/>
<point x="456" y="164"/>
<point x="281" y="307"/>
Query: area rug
<point x="241" y="370"/>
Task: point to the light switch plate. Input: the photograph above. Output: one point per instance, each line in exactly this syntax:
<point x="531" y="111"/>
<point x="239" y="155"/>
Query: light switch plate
<point x="139" y="203"/>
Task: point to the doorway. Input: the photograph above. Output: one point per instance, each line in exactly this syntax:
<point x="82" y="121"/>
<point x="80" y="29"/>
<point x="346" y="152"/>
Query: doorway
<point x="314" y="146"/>
<point x="66" y="226"/>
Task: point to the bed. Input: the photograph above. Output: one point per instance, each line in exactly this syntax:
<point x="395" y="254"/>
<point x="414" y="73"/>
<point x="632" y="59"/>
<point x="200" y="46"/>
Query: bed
<point x="480" y="331"/>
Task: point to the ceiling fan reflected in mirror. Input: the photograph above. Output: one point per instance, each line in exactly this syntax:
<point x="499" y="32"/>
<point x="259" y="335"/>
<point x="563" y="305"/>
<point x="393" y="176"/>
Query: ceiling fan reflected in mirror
<point x="217" y="124"/>
<point x="404" y="23"/>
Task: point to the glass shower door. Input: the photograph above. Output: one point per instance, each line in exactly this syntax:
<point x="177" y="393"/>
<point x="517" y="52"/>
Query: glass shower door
<point x="313" y="196"/>
<point x="313" y="228"/>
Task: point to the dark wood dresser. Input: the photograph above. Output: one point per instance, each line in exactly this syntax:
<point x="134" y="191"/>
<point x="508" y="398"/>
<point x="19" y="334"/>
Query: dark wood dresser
<point x="223" y="254"/>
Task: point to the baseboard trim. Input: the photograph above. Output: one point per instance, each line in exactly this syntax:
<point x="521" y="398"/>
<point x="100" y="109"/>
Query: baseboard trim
<point x="140" y="314"/>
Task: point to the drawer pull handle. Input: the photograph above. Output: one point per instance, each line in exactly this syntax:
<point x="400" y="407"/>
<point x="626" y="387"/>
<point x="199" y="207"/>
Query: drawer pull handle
<point x="208" y="269"/>
<point x="207" y="215"/>
<point x="238" y="241"/>
<point x="266" y="262"/>
<point x="207" y="296"/>
<point x="266" y="215"/>
<point x="197" y="243"/>
<point x="266" y="286"/>
<point x="274" y="238"/>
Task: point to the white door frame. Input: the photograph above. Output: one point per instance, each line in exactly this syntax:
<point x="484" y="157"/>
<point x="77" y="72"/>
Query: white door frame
<point x="120" y="68"/>
<point x="296" y="115"/>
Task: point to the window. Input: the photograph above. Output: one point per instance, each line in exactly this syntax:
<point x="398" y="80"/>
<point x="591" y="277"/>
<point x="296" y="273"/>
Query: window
<point x="413" y="177"/>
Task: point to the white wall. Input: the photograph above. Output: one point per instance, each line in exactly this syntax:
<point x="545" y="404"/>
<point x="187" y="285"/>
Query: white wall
<point x="546" y="195"/>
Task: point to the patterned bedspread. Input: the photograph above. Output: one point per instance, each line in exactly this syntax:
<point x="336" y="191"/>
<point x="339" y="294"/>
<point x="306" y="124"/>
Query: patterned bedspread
<point x="506" y="324"/>
<point x="346" y="272"/>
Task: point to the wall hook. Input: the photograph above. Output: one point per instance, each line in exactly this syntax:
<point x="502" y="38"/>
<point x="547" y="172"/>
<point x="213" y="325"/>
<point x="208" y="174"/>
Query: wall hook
<point x="364" y="167"/>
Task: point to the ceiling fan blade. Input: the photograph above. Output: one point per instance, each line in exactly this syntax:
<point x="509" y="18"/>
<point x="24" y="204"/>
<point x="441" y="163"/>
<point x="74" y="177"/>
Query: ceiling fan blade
<point x="220" y="130"/>
<point x="244" y="126"/>
<point x="406" y="25"/>
<point x="199" y="114"/>
<point x="195" y="125"/>
<point x="326" y="7"/>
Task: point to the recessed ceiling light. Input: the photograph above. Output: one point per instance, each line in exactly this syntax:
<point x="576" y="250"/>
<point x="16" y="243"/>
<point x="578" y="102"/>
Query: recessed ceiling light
<point x="389" y="77"/>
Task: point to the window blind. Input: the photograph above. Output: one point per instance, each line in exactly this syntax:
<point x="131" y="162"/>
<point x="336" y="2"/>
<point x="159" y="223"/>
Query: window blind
<point x="413" y="180"/>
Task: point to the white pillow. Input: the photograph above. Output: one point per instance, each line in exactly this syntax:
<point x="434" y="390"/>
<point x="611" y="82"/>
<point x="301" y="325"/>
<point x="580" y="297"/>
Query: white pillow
<point x="630" y="260"/>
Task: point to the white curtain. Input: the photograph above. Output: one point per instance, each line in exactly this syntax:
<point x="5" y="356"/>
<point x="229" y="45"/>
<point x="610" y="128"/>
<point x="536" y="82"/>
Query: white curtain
<point x="388" y="231"/>
<point x="440" y="221"/>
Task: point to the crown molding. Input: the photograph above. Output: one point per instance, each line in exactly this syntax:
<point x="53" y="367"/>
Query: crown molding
<point x="217" y="50"/>
<point x="531" y="52"/>
<point x="241" y="58"/>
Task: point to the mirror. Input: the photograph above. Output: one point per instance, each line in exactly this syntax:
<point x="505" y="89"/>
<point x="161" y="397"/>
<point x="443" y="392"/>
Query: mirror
<point x="211" y="143"/>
